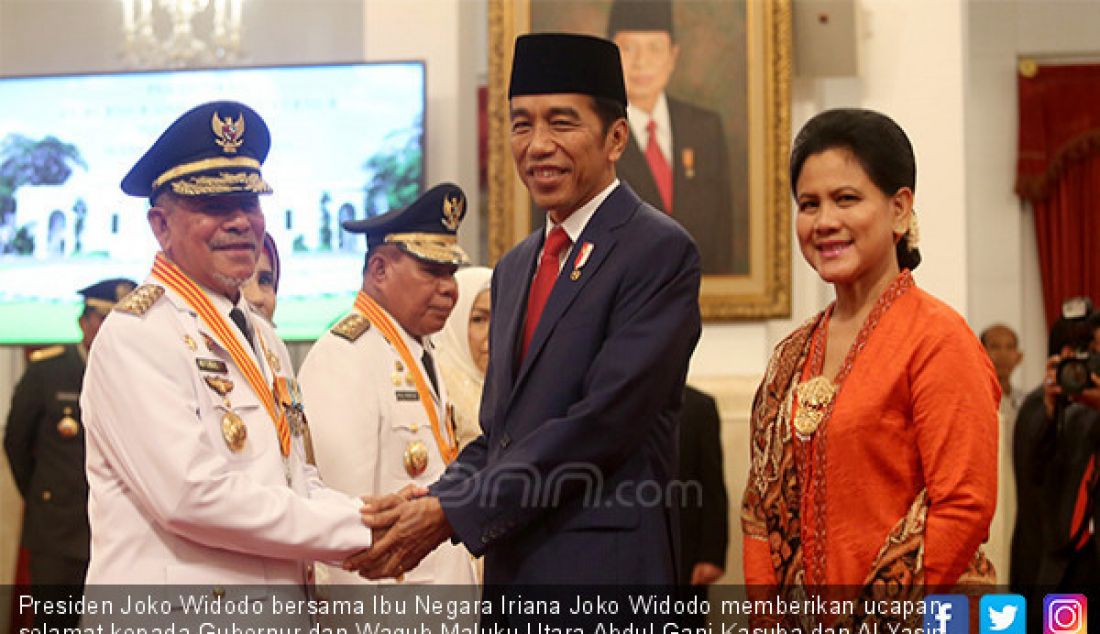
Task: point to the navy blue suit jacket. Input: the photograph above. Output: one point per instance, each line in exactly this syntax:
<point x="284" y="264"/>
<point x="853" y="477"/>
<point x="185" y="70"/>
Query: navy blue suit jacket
<point x="570" y="481"/>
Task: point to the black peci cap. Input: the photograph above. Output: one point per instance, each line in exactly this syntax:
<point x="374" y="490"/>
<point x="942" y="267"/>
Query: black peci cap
<point x="102" y="296"/>
<point x="211" y="150"/>
<point x="640" y="15"/>
<point x="556" y="63"/>
<point x="426" y="229"/>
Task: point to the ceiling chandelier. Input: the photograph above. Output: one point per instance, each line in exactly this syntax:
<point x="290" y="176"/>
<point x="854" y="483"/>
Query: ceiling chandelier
<point x="149" y="45"/>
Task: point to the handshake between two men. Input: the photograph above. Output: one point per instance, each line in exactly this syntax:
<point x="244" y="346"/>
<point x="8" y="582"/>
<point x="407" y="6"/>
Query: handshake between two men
<point x="406" y="526"/>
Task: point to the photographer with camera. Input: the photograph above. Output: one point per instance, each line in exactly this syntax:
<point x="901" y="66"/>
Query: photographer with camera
<point x="1055" y="447"/>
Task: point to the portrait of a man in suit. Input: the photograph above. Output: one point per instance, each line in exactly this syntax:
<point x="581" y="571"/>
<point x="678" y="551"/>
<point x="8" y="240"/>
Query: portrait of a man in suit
<point x="677" y="158"/>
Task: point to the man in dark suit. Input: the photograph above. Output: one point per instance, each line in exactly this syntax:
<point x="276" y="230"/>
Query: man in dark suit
<point x="44" y="441"/>
<point x="677" y="159"/>
<point x="704" y="518"/>
<point x="595" y="317"/>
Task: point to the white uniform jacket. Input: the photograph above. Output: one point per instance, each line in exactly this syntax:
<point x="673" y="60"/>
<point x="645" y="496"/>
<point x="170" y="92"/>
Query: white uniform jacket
<point x="363" y="414"/>
<point x="169" y="501"/>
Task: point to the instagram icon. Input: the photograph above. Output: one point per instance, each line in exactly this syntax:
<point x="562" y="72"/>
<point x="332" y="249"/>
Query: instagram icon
<point x="1065" y="614"/>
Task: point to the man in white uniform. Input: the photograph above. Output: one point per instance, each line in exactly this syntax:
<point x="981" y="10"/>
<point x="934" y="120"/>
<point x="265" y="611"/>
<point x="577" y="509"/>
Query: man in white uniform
<point x="195" y="434"/>
<point x="379" y="415"/>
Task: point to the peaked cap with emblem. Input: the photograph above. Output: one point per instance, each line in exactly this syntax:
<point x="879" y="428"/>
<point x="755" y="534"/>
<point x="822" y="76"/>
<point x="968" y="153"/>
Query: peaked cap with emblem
<point x="426" y="229"/>
<point x="558" y="63"/>
<point x="211" y="150"/>
<point x="102" y="296"/>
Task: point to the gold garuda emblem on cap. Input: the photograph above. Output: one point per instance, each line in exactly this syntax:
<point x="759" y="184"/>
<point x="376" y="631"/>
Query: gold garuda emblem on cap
<point x="229" y="133"/>
<point x="452" y="212"/>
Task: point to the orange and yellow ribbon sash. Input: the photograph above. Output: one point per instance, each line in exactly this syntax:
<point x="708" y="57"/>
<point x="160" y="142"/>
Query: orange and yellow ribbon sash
<point x="171" y="276"/>
<point x="370" y="309"/>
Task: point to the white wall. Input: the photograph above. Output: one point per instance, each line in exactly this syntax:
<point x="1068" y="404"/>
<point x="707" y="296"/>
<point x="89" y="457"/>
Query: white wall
<point x="1002" y="264"/>
<point x="442" y="32"/>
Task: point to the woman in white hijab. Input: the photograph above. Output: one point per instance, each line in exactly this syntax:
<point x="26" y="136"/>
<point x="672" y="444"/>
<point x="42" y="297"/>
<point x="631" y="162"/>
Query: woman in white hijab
<point x="463" y="349"/>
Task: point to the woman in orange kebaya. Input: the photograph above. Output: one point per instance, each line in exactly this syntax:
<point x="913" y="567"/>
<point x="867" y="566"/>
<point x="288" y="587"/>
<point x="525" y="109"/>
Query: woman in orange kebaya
<point x="874" y="432"/>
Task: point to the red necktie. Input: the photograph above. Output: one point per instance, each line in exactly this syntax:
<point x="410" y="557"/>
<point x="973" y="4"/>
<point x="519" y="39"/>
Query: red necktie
<point x="658" y="166"/>
<point x="545" y="277"/>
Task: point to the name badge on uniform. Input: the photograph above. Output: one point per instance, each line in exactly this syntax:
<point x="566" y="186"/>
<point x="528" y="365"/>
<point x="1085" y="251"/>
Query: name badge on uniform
<point x="212" y="365"/>
<point x="407" y="395"/>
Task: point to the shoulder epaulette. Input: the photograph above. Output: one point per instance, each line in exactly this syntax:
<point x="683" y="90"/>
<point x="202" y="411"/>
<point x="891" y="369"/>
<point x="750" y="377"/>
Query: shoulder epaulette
<point x="351" y="327"/>
<point x="47" y="353"/>
<point x="140" y="299"/>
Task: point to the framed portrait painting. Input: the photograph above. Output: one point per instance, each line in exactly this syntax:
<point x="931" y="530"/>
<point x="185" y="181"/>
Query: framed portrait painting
<point x="708" y="84"/>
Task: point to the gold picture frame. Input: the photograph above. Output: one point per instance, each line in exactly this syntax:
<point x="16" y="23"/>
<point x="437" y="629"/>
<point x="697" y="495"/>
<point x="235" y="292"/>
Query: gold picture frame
<point x="758" y="29"/>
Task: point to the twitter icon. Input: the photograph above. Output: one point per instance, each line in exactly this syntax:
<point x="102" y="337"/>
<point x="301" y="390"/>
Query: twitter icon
<point x="1003" y="614"/>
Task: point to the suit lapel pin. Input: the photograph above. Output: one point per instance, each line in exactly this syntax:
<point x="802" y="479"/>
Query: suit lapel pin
<point x="688" y="156"/>
<point x="581" y="260"/>
<point x="190" y="343"/>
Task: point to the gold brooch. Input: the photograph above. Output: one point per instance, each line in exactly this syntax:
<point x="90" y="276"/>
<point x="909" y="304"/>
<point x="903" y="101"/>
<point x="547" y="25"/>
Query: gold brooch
<point x="814" y="398"/>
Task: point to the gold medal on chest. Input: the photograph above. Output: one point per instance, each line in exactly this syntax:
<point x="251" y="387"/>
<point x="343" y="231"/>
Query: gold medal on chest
<point x="814" y="398"/>
<point x="67" y="426"/>
<point x="234" y="431"/>
<point x="415" y="458"/>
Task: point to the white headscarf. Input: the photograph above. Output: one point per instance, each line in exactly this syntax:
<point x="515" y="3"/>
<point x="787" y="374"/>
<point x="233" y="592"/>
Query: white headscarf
<point x="456" y="363"/>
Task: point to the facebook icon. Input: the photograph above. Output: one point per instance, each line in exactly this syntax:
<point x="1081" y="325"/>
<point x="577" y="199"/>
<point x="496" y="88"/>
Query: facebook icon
<point x="946" y="614"/>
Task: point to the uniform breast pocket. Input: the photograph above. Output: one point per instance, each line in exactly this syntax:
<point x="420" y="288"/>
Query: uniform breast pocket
<point x="239" y="428"/>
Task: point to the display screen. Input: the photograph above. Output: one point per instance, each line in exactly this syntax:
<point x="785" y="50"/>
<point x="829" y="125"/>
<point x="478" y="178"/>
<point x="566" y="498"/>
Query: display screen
<point x="347" y="143"/>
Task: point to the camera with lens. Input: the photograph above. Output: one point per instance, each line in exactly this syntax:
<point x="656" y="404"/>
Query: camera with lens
<point x="1075" y="369"/>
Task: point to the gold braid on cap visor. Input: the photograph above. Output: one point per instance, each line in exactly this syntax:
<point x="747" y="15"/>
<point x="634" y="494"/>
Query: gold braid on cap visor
<point x="430" y="246"/>
<point x="223" y="183"/>
<point x="203" y="165"/>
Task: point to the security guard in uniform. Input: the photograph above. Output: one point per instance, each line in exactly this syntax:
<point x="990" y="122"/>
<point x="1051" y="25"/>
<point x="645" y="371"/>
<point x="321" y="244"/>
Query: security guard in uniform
<point x="44" y="440"/>
<point x="197" y="462"/>
<point x="378" y="413"/>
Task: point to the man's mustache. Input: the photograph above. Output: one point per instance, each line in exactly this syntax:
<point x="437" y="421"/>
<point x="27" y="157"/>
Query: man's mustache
<point x="235" y="241"/>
